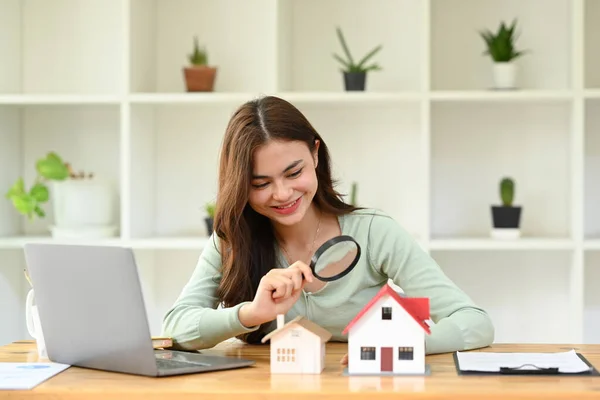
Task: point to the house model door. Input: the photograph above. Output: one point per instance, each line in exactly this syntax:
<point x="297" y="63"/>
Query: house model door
<point x="387" y="359"/>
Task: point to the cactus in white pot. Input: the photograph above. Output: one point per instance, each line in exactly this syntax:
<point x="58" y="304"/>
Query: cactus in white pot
<point x="500" y="46"/>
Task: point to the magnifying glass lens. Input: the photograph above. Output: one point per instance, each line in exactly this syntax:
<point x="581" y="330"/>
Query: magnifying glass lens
<point x="335" y="259"/>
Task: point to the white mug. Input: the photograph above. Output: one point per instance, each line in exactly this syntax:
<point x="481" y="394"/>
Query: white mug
<point x="34" y="326"/>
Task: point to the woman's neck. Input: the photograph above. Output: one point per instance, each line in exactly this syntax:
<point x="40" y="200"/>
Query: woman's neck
<point x="303" y="233"/>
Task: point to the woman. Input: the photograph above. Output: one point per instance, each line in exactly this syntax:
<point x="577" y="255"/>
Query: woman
<point x="276" y="206"/>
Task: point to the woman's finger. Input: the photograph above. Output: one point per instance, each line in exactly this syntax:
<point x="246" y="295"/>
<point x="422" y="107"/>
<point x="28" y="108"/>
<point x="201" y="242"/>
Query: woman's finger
<point x="297" y="279"/>
<point x="344" y="360"/>
<point x="273" y="284"/>
<point x="284" y="286"/>
<point x="305" y="269"/>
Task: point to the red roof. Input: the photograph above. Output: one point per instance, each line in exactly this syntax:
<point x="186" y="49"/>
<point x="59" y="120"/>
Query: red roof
<point x="417" y="307"/>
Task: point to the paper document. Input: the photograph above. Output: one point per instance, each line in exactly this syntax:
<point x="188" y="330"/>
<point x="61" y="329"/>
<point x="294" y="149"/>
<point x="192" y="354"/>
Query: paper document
<point x="566" y="362"/>
<point x="23" y="376"/>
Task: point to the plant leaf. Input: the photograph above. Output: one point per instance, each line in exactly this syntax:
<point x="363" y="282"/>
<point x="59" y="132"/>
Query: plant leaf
<point x="25" y="204"/>
<point x="39" y="192"/>
<point x="40" y="213"/>
<point x="17" y="189"/>
<point x="342" y="61"/>
<point x="369" y="55"/>
<point x="344" y="46"/>
<point x="52" y="167"/>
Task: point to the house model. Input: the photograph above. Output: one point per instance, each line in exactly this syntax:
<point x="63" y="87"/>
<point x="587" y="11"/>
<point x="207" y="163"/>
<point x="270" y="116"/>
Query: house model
<point x="297" y="347"/>
<point x="387" y="337"/>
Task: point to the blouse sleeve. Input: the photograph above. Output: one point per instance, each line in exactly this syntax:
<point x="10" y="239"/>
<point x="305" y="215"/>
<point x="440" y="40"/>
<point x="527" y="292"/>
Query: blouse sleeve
<point x="195" y="322"/>
<point x="459" y="323"/>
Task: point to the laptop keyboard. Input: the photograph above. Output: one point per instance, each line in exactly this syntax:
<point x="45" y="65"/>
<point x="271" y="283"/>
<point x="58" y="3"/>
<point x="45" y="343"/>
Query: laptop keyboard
<point x="162" y="363"/>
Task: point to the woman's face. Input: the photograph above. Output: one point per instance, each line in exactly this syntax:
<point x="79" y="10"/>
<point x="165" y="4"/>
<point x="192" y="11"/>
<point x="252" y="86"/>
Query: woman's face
<point x="284" y="181"/>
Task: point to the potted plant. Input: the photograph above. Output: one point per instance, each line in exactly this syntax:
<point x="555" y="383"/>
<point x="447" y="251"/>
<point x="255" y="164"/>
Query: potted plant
<point x="501" y="48"/>
<point x="355" y="74"/>
<point x="83" y="206"/>
<point x="199" y="76"/>
<point x="210" y="217"/>
<point x="506" y="217"/>
<point x="353" y="193"/>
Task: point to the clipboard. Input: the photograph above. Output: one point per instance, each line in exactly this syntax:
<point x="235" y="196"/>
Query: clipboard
<point x="528" y="371"/>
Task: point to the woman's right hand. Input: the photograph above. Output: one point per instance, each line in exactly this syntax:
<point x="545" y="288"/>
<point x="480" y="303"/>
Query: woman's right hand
<point x="277" y="292"/>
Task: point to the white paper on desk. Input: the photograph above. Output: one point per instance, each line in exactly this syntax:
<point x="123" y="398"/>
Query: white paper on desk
<point x="23" y="376"/>
<point x="566" y="362"/>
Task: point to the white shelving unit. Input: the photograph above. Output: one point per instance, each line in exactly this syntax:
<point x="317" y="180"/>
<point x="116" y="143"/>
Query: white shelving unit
<point x="100" y="82"/>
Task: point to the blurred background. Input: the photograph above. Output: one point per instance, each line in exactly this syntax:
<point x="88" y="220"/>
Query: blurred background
<point x="473" y="122"/>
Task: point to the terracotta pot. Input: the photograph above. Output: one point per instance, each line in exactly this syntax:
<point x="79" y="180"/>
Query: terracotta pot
<point x="199" y="78"/>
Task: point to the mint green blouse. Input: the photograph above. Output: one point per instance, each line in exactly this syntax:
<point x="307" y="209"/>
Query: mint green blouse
<point x="388" y="253"/>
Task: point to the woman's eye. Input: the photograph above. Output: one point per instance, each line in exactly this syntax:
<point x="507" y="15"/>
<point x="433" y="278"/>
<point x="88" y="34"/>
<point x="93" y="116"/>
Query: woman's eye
<point x="294" y="174"/>
<point x="258" y="186"/>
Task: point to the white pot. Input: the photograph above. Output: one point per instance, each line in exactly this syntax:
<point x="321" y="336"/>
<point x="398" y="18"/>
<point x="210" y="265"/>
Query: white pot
<point x="505" y="75"/>
<point x="83" y="208"/>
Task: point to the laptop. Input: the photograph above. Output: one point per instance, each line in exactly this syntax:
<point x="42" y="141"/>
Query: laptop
<point x="92" y="311"/>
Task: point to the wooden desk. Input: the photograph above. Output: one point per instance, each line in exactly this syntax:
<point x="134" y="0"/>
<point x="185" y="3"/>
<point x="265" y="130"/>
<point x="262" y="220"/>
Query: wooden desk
<point x="257" y="383"/>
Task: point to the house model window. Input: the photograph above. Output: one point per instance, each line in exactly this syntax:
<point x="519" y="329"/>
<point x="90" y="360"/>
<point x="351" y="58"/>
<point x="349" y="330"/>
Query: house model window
<point x="286" y="355"/>
<point x="367" y="353"/>
<point x="386" y="312"/>
<point x="405" y="353"/>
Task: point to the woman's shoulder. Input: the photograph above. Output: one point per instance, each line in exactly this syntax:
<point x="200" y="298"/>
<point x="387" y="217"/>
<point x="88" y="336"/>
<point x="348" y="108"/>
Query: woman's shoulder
<point x="367" y="222"/>
<point x="366" y="216"/>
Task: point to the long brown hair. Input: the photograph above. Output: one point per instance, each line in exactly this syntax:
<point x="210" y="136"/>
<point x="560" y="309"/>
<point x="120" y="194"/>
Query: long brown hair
<point x="247" y="238"/>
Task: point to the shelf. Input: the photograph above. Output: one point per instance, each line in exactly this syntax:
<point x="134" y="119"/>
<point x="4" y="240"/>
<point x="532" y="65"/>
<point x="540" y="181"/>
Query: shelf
<point x="592" y="94"/>
<point x="473" y="146"/>
<point x="166" y="243"/>
<point x="190" y="98"/>
<point x="174" y="167"/>
<point x="501" y="95"/>
<point x="87" y="136"/>
<point x="528" y="295"/>
<point x="240" y="43"/>
<point x="339" y="97"/>
<point x="592" y="168"/>
<point x="68" y="48"/>
<point x="592" y="244"/>
<point x="50" y="99"/>
<point x="467" y="244"/>
<point x="591" y="44"/>
<point x="457" y="58"/>
<point x="306" y="40"/>
<point x="392" y="134"/>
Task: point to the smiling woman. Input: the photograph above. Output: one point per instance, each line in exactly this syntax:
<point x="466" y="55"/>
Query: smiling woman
<point x="276" y="205"/>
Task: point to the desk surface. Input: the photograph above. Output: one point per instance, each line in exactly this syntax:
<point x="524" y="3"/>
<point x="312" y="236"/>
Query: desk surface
<point x="257" y="383"/>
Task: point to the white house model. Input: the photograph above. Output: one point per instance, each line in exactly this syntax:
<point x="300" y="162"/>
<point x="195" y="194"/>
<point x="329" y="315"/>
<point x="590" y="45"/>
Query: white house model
<point x="387" y="337"/>
<point x="297" y="347"/>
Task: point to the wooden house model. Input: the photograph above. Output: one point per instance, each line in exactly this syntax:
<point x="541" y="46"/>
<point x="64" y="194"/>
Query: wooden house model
<point x="297" y="347"/>
<point x="387" y="337"/>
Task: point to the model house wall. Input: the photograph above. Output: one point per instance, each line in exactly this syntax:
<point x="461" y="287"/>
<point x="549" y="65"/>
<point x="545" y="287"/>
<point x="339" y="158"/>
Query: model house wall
<point x="295" y="350"/>
<point x="370" y="334"/>
<point x="297" y="347"/>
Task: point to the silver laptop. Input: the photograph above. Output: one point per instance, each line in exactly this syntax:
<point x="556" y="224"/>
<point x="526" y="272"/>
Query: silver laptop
<point x="93" y="315"/>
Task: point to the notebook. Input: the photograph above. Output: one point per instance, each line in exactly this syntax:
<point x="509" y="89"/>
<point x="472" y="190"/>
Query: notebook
<point x="522" y="363"/>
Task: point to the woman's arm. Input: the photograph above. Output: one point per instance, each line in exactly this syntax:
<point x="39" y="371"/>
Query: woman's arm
<point x="194" y="322"/>
<point x="459" y="323"/>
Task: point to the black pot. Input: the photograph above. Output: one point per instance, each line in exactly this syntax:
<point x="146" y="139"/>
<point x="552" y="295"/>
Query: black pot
<point x="506" y="217"/>
<point x="209" y="225"/>
<point x="355" y="81"/>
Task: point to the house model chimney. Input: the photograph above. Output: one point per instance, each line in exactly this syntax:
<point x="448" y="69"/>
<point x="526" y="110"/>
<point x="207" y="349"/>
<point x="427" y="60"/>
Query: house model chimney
<point x="280" y="320"/>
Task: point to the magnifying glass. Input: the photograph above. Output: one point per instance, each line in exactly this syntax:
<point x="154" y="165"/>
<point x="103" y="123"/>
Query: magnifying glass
<point x="335" y="258"/>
